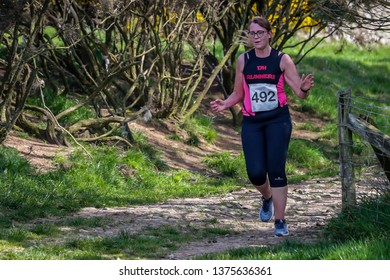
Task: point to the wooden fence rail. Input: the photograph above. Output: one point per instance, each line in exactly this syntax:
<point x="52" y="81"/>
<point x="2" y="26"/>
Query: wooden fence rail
<point x="363" y="126"/>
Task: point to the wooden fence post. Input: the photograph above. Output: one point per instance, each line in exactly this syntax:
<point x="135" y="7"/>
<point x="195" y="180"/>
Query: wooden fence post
<point x="345" y="150"/>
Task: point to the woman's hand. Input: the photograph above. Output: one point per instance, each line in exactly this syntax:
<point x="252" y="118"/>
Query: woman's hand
<point x="307" y="82"/>
<point x="218" y="105"/>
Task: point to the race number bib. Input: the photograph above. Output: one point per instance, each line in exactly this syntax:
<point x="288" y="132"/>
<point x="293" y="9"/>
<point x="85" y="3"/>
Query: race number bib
<point x="264" y="97"/>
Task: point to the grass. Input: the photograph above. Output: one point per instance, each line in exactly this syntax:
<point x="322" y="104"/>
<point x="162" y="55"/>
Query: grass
<point x="58" y="103"/>
<point x="114" y="178"/>
<point x="227" y="164"/>
<point x="200" y="127"/>
<point x="308" y="160"/>
<point x="291" y="250"/>
<point x="334" y="69"/>
<point x="153" y="243"/>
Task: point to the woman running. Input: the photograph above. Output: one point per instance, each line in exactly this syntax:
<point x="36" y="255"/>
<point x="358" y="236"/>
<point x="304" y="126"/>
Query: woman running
<point x="266" y="127"/>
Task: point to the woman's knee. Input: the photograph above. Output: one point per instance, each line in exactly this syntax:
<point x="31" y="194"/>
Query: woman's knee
<point x="257" y="178"/>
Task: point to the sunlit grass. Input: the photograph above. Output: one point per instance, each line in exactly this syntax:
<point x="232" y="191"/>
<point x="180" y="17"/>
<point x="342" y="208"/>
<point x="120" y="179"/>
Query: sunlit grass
<point x="336" y="68"/>
<point x="370" y="249"/>
<point x="227" y="164"/>
<point x="305" y="157"/>
<point x="152" y="243"/>
<point x="198" y="128"/>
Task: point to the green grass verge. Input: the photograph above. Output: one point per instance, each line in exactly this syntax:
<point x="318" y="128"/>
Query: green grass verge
<point x="152" y="243"/>
<point x="369" y="249"/>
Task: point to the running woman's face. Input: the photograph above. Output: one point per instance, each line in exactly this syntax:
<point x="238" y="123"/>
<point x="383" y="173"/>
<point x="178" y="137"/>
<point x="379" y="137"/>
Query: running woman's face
<point x="259" y="36"/>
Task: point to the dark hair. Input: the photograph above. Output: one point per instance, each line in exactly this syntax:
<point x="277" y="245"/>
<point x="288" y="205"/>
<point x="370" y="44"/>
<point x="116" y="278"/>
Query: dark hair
<point x="262" y="22"/>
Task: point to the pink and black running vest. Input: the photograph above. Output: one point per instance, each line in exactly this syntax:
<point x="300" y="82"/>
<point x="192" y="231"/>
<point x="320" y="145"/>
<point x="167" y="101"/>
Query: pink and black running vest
<point x="263" y="83"/>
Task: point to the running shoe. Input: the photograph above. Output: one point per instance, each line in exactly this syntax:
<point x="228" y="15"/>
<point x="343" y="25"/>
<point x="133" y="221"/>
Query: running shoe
<point x="266" y="210"/>
<point x="281" y="228"/>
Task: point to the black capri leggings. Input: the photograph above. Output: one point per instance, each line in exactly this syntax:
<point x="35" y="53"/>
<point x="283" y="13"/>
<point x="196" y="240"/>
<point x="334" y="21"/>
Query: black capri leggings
<point x="265" y="138"/>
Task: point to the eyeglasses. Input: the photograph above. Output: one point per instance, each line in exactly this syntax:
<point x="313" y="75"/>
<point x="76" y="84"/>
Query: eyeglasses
<point x="259" y="33"/>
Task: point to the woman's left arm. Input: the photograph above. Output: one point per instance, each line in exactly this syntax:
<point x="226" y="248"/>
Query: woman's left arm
<point x="300" y="86"/>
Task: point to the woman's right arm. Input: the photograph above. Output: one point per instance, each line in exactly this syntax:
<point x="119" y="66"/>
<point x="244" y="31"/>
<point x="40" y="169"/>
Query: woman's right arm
<point x="237" y="95"/>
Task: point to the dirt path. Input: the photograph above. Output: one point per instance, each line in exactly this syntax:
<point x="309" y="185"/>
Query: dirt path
<point x="310" y="205"/>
